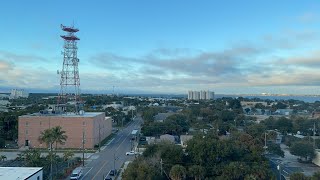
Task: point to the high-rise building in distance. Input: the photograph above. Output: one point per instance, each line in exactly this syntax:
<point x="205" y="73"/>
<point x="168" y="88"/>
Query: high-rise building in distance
<point x="200" y="95"/>
<point x="17" y="93"/>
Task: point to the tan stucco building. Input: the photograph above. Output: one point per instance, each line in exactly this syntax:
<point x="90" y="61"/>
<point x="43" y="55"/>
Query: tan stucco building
<point x="30" y="127"/>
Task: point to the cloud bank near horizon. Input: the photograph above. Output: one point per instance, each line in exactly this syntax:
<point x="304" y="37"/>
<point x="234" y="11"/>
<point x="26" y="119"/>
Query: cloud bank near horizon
<point x="285" y="61"/>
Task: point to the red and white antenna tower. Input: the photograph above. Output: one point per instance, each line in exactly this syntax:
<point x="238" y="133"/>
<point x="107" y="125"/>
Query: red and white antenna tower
<point x="69" y="81"/>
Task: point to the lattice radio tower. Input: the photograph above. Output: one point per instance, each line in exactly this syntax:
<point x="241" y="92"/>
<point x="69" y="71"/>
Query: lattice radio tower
<point x="69" y="81"/>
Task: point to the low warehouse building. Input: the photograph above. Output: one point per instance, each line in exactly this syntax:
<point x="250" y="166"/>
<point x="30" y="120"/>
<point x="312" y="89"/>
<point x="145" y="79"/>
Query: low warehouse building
<point x="90" y="127"/>
<point x="21" y="173"/>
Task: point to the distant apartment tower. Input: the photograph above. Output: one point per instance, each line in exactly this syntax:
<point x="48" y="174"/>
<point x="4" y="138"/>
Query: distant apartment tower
<point x="203" y="95"/>
<point x="190" y="95"/>
<point x="209" y="95"/>
<point x="196" y="95"/>
<point x="200" y="95"/>
<point x="17" y="93"/>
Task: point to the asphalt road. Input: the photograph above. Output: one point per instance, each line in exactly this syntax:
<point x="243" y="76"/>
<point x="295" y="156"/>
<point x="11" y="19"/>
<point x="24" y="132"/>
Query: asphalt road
<point x="99" y="164"/>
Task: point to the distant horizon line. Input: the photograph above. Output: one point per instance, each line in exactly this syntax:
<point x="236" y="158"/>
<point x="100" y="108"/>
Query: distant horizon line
<point x="185" y="94"/>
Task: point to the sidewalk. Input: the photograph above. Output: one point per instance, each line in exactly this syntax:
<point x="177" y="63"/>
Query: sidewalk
<point x="14" y="155"/>
<point x="122" y="169"/>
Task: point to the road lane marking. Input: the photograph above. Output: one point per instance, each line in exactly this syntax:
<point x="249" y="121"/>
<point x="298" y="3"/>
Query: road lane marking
<point x="104" y="164"/>
<point x="110" y="142"/>
<point x="94" y="157"/>
<point x="123" y="141"/>
<point x="102" y="148"/>
<point x="86" y="173"/>
<point x="108" y="161"/>
<point x="119" y="139"/>
<point x="100" y="169"/>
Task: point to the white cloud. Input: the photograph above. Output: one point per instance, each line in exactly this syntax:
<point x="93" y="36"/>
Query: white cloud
<point x="308" y="17"/>
<point x="264" y="64"/>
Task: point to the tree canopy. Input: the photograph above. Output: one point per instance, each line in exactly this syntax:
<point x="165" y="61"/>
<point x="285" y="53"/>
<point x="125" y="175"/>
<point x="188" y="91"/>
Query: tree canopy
<point x="303" y="149"/>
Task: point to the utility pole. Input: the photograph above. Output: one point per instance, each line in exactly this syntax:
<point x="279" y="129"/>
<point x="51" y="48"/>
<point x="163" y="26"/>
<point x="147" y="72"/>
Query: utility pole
<point x="83" y="147"/>
<point x="50" y="160"/>
<point x="161" y="170"/>
<point x="314" y="135"/>
<point x="114" y="161"/>
<point x="99" y="138"/>
<point x="279" y="168"/>
<point x="132" y="114"/>
<point x="265" y="141"/>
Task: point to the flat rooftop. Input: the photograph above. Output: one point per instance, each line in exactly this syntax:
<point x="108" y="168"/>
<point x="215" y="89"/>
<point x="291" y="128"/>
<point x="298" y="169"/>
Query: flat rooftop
<point x="86" y="114"/>
<point x="17" y="173"/>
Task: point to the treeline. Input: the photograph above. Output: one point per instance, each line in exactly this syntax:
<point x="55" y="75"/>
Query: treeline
<point x="238" y="157"/>
<point x="9" y="123"/>
<point x="292" y="124"/>
<point x="220" y="114"/>
<point x="175" y="125"/>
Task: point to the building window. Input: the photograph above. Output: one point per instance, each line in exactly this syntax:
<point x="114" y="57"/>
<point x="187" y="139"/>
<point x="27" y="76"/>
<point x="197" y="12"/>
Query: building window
<point x="40" y="123"/>
<point x="83" y="123"/>
<point x="38" y="178"/>
<point x="27" y="123"/>
<point x="27" y="131"/>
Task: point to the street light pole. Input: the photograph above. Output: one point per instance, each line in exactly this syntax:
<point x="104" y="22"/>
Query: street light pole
<point x="132" y="114"/>
<point x="51" y="161"/>
<point x="265" y="140"/>
<point x="83" y="147"/>
<point x="99" y="138"/>
<point x="279" y="168"/>
<point x="314" y="134"/>
<point x="161" y="167"/>
<point x="114" y="161"/>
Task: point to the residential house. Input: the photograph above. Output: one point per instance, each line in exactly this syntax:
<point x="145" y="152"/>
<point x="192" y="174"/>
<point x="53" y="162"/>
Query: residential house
<point x="160" y="117"/>
<point x="285" y="112"/>
<point x="184" y="139"/>
<point x="168" y="138"/>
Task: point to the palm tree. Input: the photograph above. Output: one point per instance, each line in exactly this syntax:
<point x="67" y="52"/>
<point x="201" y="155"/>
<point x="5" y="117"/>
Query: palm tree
<point x="59" y="135"/>
<point x="33" y="158"/>
<point x="196" y="171"/>
<point x="3" y="157"/>
<point x="177" y="172"/>
<point x="46" y="136"/>
<point x="67" y="155"/>
<point x="316" y="175"/>
<point x="50" y="136"/>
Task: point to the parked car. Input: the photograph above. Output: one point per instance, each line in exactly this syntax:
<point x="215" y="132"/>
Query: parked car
<point x="112" y="172"/>
<point x="133" y="153"/>
<point x="130" y="153"/>
<point x="76" y="173"/>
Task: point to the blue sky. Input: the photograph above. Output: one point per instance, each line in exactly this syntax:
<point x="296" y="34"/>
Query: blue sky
<point x="165" y="46"/>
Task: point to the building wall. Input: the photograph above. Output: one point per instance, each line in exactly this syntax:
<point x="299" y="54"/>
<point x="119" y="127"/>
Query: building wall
<point x="36" y="175"/>
<point x="105" y="128"/>
<point x="30" y="128"/>
<point x="316" y="160"/>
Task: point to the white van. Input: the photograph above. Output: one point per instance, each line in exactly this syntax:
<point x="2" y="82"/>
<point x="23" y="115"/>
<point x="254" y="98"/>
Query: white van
<point x="76" y="173"/>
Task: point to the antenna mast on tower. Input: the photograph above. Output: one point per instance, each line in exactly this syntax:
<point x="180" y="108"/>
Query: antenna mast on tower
<point x="69" y="81"/>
